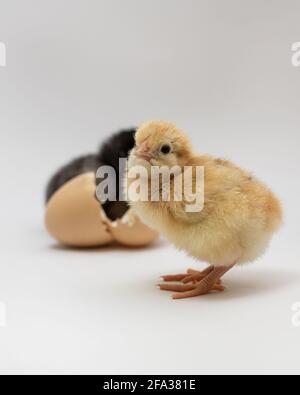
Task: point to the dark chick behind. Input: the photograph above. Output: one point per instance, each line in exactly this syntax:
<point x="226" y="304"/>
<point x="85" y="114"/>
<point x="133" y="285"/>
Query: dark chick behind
<point x="115" y="147"/>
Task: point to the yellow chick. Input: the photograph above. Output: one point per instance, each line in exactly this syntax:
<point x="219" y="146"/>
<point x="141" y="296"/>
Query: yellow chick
<point x="233" y="226"/>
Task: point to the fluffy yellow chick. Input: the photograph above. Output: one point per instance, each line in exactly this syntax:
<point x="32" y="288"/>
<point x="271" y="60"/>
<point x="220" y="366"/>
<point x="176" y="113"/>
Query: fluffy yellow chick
<point x="238" y="218"/>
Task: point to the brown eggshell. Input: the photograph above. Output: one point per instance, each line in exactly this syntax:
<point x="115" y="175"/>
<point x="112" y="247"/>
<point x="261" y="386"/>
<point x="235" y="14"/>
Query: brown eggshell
<point x="73" y="215"/>
<point x="132" y="232"/>
<point x="75" y="218"/>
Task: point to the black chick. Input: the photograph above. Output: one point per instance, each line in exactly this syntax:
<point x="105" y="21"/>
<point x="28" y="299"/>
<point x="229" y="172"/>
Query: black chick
<point x="115" y="147"/>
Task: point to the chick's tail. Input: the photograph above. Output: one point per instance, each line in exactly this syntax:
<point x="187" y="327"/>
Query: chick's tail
<point x="274" y="213"/>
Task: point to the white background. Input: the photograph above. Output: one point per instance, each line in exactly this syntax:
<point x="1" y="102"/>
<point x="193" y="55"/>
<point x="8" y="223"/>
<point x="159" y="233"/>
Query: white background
<point x="78" y="70"/>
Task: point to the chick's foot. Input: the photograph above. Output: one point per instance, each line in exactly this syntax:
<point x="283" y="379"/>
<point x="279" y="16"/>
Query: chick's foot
<point x="196" y="283"/>
<point x="191" y="276"/>
<point x="187" y="287"/>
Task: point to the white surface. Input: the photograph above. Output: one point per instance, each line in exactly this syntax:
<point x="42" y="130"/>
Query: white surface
<point x="100" y="312"/>
<point x="77" y="70"/>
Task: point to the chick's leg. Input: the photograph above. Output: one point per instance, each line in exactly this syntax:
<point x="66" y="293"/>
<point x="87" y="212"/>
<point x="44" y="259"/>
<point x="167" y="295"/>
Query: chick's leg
<point x="189" y="280"/>
<point x="190" y="276"/>
<point x="206" y="285"/>
<point x="194" y="276"/>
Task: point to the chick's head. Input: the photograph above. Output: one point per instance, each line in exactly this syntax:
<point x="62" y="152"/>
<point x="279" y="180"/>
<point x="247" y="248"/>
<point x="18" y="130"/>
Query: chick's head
<point x="162" y="144"/>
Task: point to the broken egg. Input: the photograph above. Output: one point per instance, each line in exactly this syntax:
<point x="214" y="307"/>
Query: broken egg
<point x="76" y="218"/>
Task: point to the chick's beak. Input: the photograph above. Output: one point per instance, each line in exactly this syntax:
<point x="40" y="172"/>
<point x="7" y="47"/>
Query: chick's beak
<point x="142" y="152"/>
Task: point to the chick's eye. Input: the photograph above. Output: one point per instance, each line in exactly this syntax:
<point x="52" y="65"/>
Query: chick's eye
<point x="165" y="149"/>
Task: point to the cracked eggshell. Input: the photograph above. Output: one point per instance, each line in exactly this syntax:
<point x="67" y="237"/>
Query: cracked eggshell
<point x="73" y="215"/>
<point x="75" y="218"/>
<point x="130" y="231"/>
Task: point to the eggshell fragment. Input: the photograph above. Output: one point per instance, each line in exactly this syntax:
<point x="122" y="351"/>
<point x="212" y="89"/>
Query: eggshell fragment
<point x="132" y="232"/>
<point x="75" y="218"/>
<point x="73" y="214"/>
